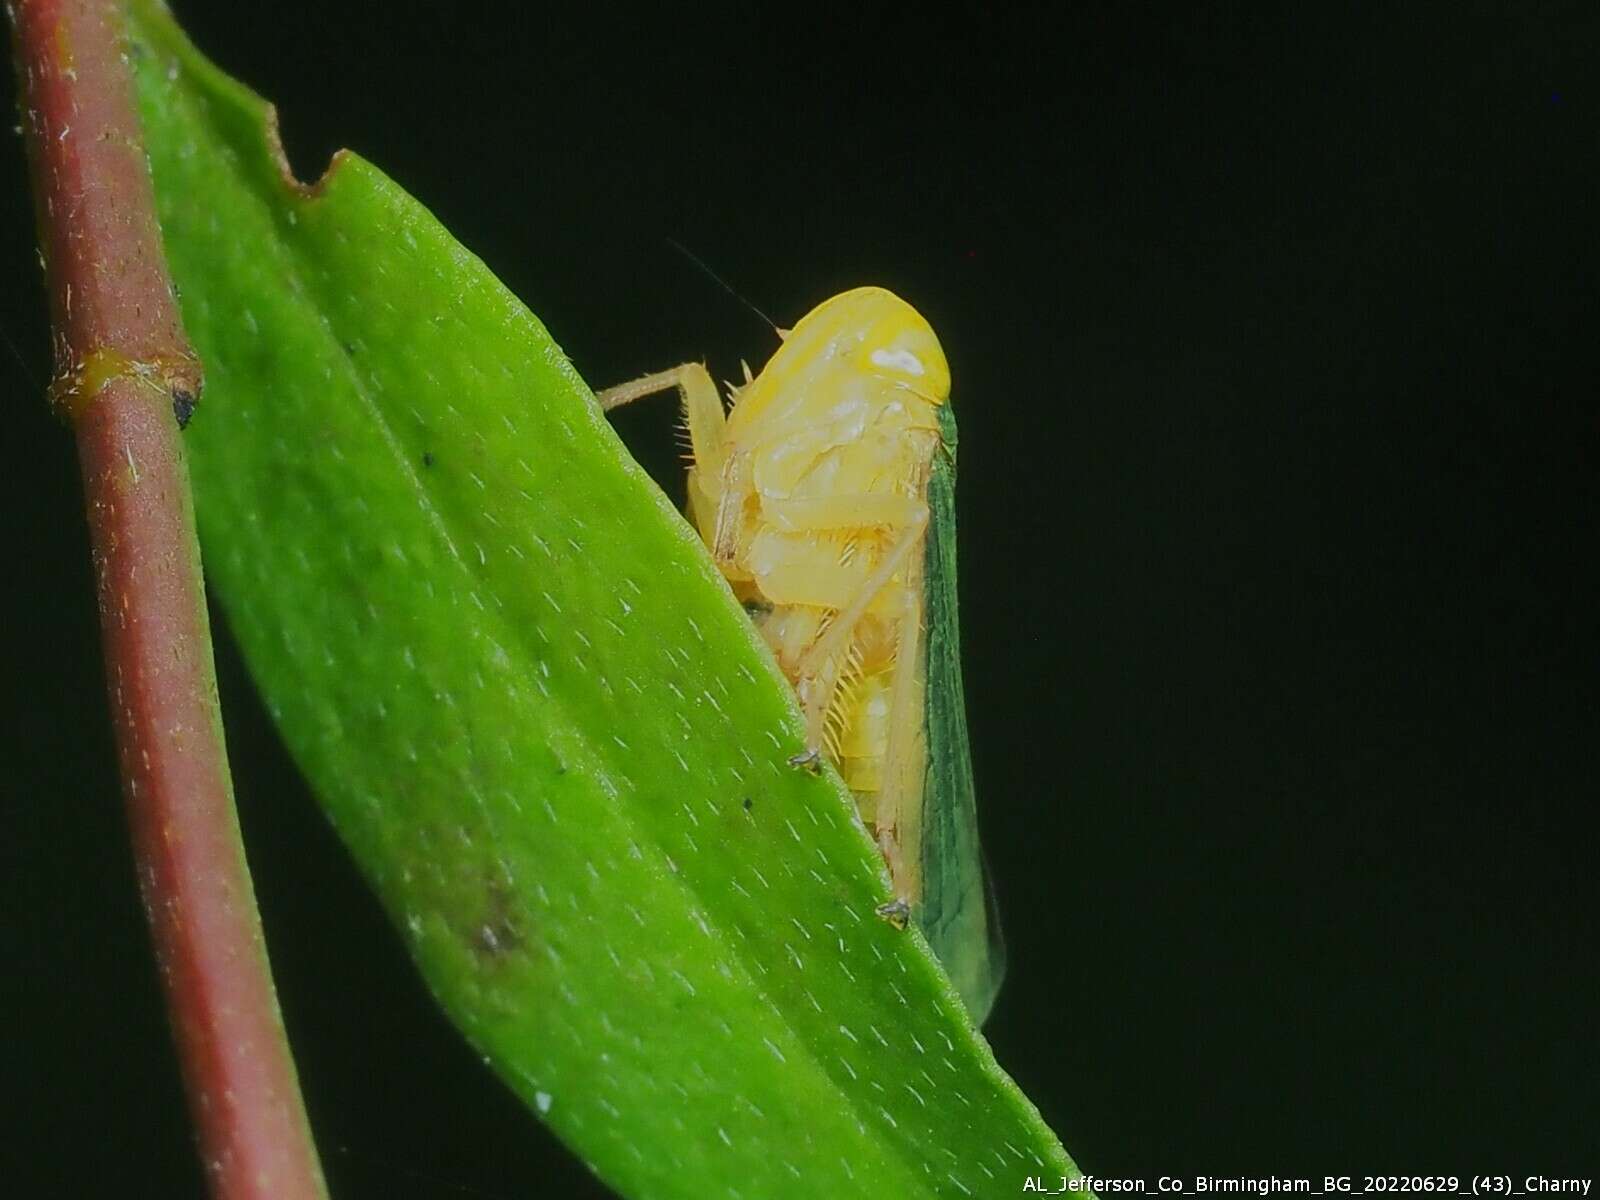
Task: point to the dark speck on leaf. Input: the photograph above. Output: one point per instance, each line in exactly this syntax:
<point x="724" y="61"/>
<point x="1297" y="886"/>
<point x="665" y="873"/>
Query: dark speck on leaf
<point x="748" y="804"/>
<point x="496" y="939"/>
<point x="183" y="403"/>
<point x="427" y="458"/>
<point x="499" y="933"/>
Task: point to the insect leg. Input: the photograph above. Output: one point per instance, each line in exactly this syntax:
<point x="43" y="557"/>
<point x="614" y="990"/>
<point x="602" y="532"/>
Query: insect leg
<point x="898" y="822"/>
<point x="844" y="623"/>
<point x="701" y="406"/>
<point x="814" y="671"/>
<point x="717" y="489"/>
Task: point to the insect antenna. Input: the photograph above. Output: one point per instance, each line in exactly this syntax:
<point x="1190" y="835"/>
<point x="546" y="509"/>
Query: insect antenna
<point x="724" y="285"/>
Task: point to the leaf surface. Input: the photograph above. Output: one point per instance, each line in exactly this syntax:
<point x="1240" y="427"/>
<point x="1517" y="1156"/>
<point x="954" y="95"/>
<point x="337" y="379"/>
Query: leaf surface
<point x="532" y="708"/>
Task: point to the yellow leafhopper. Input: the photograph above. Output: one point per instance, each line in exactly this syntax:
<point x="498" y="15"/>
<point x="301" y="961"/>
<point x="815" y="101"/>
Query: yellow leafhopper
<point x="826" y="493"/>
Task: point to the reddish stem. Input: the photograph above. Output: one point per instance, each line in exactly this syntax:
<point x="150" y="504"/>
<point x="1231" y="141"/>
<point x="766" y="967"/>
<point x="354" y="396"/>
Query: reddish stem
<point x="123" y="370"/>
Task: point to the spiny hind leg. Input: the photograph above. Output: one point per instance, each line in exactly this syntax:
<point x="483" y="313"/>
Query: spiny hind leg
<point x="898" y="818"/>
<point x="708" y="428"/>
<point x="850" y="613"/>
<point x="816" y="675"/>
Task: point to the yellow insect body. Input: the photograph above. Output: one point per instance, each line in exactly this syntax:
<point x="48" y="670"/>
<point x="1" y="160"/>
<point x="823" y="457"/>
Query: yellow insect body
<point x="812" y="495"/>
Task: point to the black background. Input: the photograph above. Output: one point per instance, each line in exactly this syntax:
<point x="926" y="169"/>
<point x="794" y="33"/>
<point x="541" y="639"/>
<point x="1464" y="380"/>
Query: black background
<point x="1273" y="344"/>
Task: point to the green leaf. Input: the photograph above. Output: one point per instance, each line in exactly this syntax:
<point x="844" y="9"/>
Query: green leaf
<point x="532" y="708"/>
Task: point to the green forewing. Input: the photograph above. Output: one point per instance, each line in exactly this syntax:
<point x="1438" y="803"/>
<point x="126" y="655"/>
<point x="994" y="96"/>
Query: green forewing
<point x="956" y="914"/>
<point x="532" y="709"/>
